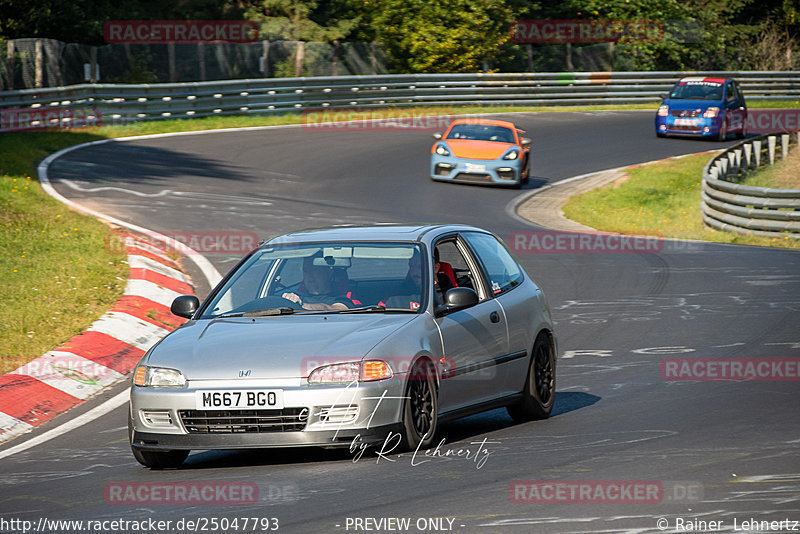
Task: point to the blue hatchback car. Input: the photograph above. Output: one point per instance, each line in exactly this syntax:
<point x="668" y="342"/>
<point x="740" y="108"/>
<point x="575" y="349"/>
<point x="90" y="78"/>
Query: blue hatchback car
<point x="704" y="107"/>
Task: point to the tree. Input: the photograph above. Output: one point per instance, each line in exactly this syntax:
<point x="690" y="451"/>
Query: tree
<point x="295" y="20"/>
<point x="454" y="36"/>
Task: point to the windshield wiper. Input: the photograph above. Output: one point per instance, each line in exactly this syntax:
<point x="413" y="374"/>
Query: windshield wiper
<point x="259" y="313"/>
<point x="378" y="309"/>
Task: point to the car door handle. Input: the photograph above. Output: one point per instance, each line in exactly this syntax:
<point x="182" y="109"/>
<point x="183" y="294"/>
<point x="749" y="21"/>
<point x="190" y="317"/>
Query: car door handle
<point x="494" y="317"/>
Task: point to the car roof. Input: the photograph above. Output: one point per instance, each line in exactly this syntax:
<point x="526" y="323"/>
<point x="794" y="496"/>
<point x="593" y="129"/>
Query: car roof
<point x="377" y="232"/>
<point x="487" y="122"/>
<point x="705" y="79"/>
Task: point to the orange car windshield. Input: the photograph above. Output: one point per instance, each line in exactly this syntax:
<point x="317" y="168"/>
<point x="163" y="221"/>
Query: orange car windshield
<point x="481" y="132"/>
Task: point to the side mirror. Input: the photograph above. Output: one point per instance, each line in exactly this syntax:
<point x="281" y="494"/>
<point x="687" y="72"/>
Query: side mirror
<point x="185" y="306"/>
<point x="663" y="96"/>
<point x="459" y="298"/>
<point x="437" y="136"/>
<point x="525" y="142"/>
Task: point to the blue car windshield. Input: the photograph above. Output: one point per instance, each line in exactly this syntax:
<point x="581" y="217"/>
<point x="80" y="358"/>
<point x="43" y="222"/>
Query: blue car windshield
<point x="696" y="91"/>
<point x="481" y="132"/>
<point x="325" y="277"/>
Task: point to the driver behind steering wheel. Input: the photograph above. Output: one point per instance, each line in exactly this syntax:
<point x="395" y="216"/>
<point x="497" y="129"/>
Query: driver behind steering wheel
<point x="318" y="292"/>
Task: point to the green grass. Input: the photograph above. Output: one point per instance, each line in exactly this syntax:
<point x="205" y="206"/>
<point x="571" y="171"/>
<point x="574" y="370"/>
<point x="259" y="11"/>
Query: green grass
<point x="658" y="199"/>
<point x="57" y="275"/>
<point x="784" y="174"/>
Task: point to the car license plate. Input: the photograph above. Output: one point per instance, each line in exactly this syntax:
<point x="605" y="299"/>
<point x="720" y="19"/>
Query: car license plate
<point x="686" y="122"/>
<point x="472" y="167"/>
<point x="220" y="399"/>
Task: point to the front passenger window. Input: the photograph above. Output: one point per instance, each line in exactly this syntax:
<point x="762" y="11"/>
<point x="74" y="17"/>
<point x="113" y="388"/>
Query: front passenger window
<point x="504" y="273"/>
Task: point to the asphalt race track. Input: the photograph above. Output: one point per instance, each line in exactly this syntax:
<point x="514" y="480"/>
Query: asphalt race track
<point x="722" y="451"/>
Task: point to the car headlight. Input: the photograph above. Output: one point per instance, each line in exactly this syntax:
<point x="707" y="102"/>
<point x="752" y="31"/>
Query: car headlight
<point x="367" y="371"/>
<point x="663" y="110"/>
<point x="158" y="377"/>
<point x="514" y="154"/>
<point x="711" y="112"/>
<point x="442" y="150"/>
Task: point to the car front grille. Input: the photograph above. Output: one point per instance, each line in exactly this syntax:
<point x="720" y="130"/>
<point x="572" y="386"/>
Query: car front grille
<point x="691" y="113"/>
<point x="473" y="177"/>
<point x="685" y="127"/>
<point x="244" y="421"/>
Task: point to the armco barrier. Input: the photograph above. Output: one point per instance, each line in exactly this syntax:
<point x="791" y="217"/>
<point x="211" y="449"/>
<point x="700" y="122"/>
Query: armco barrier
<point x="126" y="103"/>
<point x="728" y="206"/>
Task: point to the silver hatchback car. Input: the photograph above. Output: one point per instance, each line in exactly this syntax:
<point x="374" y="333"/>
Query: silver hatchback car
<point x="347" y="337"/>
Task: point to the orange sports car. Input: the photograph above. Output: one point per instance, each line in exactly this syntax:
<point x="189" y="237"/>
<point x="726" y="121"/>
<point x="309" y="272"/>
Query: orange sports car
<point x="481" y="151"/>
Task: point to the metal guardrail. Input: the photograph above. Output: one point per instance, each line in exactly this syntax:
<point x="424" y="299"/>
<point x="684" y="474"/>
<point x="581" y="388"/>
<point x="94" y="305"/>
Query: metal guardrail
<point x="728" y="206"/>
<point x="127" y="103"/>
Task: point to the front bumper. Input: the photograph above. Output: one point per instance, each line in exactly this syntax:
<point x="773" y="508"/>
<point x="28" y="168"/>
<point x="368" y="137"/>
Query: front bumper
<point x="497" y="171"/>
<point x="320" y="416"/>
<point x="696" y="126"/>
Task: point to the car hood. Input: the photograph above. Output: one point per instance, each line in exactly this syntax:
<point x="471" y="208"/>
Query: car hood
<point x="469" y="149"/>
<point x="271" y="347"/>
<point x="678" y="104"/>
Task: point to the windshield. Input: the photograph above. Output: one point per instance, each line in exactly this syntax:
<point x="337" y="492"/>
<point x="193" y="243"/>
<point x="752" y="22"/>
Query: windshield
<point x="700" y="90"/>
<point x="481" y="132"/>
<point x="324" y="277"/>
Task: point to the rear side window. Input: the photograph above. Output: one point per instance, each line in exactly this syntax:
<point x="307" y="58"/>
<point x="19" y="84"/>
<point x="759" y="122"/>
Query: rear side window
<point x="504" y="273"/>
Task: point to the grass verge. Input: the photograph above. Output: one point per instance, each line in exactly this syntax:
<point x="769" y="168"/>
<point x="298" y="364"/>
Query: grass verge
<point x="658" y="199"/>
<point x="784" y="174"/>
<point x="58" y="275"/>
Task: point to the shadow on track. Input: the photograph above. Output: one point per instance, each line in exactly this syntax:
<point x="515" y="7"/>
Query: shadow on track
<point x="467" y="428"/>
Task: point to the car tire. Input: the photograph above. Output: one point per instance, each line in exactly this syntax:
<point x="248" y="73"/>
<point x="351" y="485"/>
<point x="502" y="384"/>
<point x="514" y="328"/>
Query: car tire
<point x="723" y="131"/>
<point x="156" y="459"/>
<point x="527" y="175"/>
<point x="660" y="134"/>
<point x="539" y="393"/>
<point x="420" y="408"/>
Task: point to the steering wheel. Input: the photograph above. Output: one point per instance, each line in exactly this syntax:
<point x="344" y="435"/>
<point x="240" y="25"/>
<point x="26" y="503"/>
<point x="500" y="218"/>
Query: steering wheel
<point x="265" y="303"/>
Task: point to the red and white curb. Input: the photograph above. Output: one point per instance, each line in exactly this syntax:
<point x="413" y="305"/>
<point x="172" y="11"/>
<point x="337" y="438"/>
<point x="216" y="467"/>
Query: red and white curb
<point x="102" y="354"/>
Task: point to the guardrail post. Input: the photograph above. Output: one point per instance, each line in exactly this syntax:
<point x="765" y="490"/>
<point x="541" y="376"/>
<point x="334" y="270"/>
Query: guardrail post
<point x="757" y="151"/>
<point x="38" y="63"/>
<point x="771" y="140"/>
<point x="732" y="166"/>
<point x="784" y="145"/>
<point x="10" y="65"/>
<point x="742" y="171"/>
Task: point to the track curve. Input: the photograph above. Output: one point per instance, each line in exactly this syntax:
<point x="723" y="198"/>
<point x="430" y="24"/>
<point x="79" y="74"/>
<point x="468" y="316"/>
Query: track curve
<point x="618" y="316"/>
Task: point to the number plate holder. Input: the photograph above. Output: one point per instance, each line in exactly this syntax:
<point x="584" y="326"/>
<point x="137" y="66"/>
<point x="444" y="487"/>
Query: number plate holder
<point x="474" y="167"/>
<point x="239" y="399"/>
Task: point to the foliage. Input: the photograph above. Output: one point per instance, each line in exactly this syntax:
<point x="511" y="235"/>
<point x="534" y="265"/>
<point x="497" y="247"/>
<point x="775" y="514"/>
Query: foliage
<point x="455" y="36"/>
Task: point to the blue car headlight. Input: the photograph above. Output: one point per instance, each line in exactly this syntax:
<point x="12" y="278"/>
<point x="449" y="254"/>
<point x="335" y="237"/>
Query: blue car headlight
<point x="512" y="154"/>
<point x="441" y="149"/>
